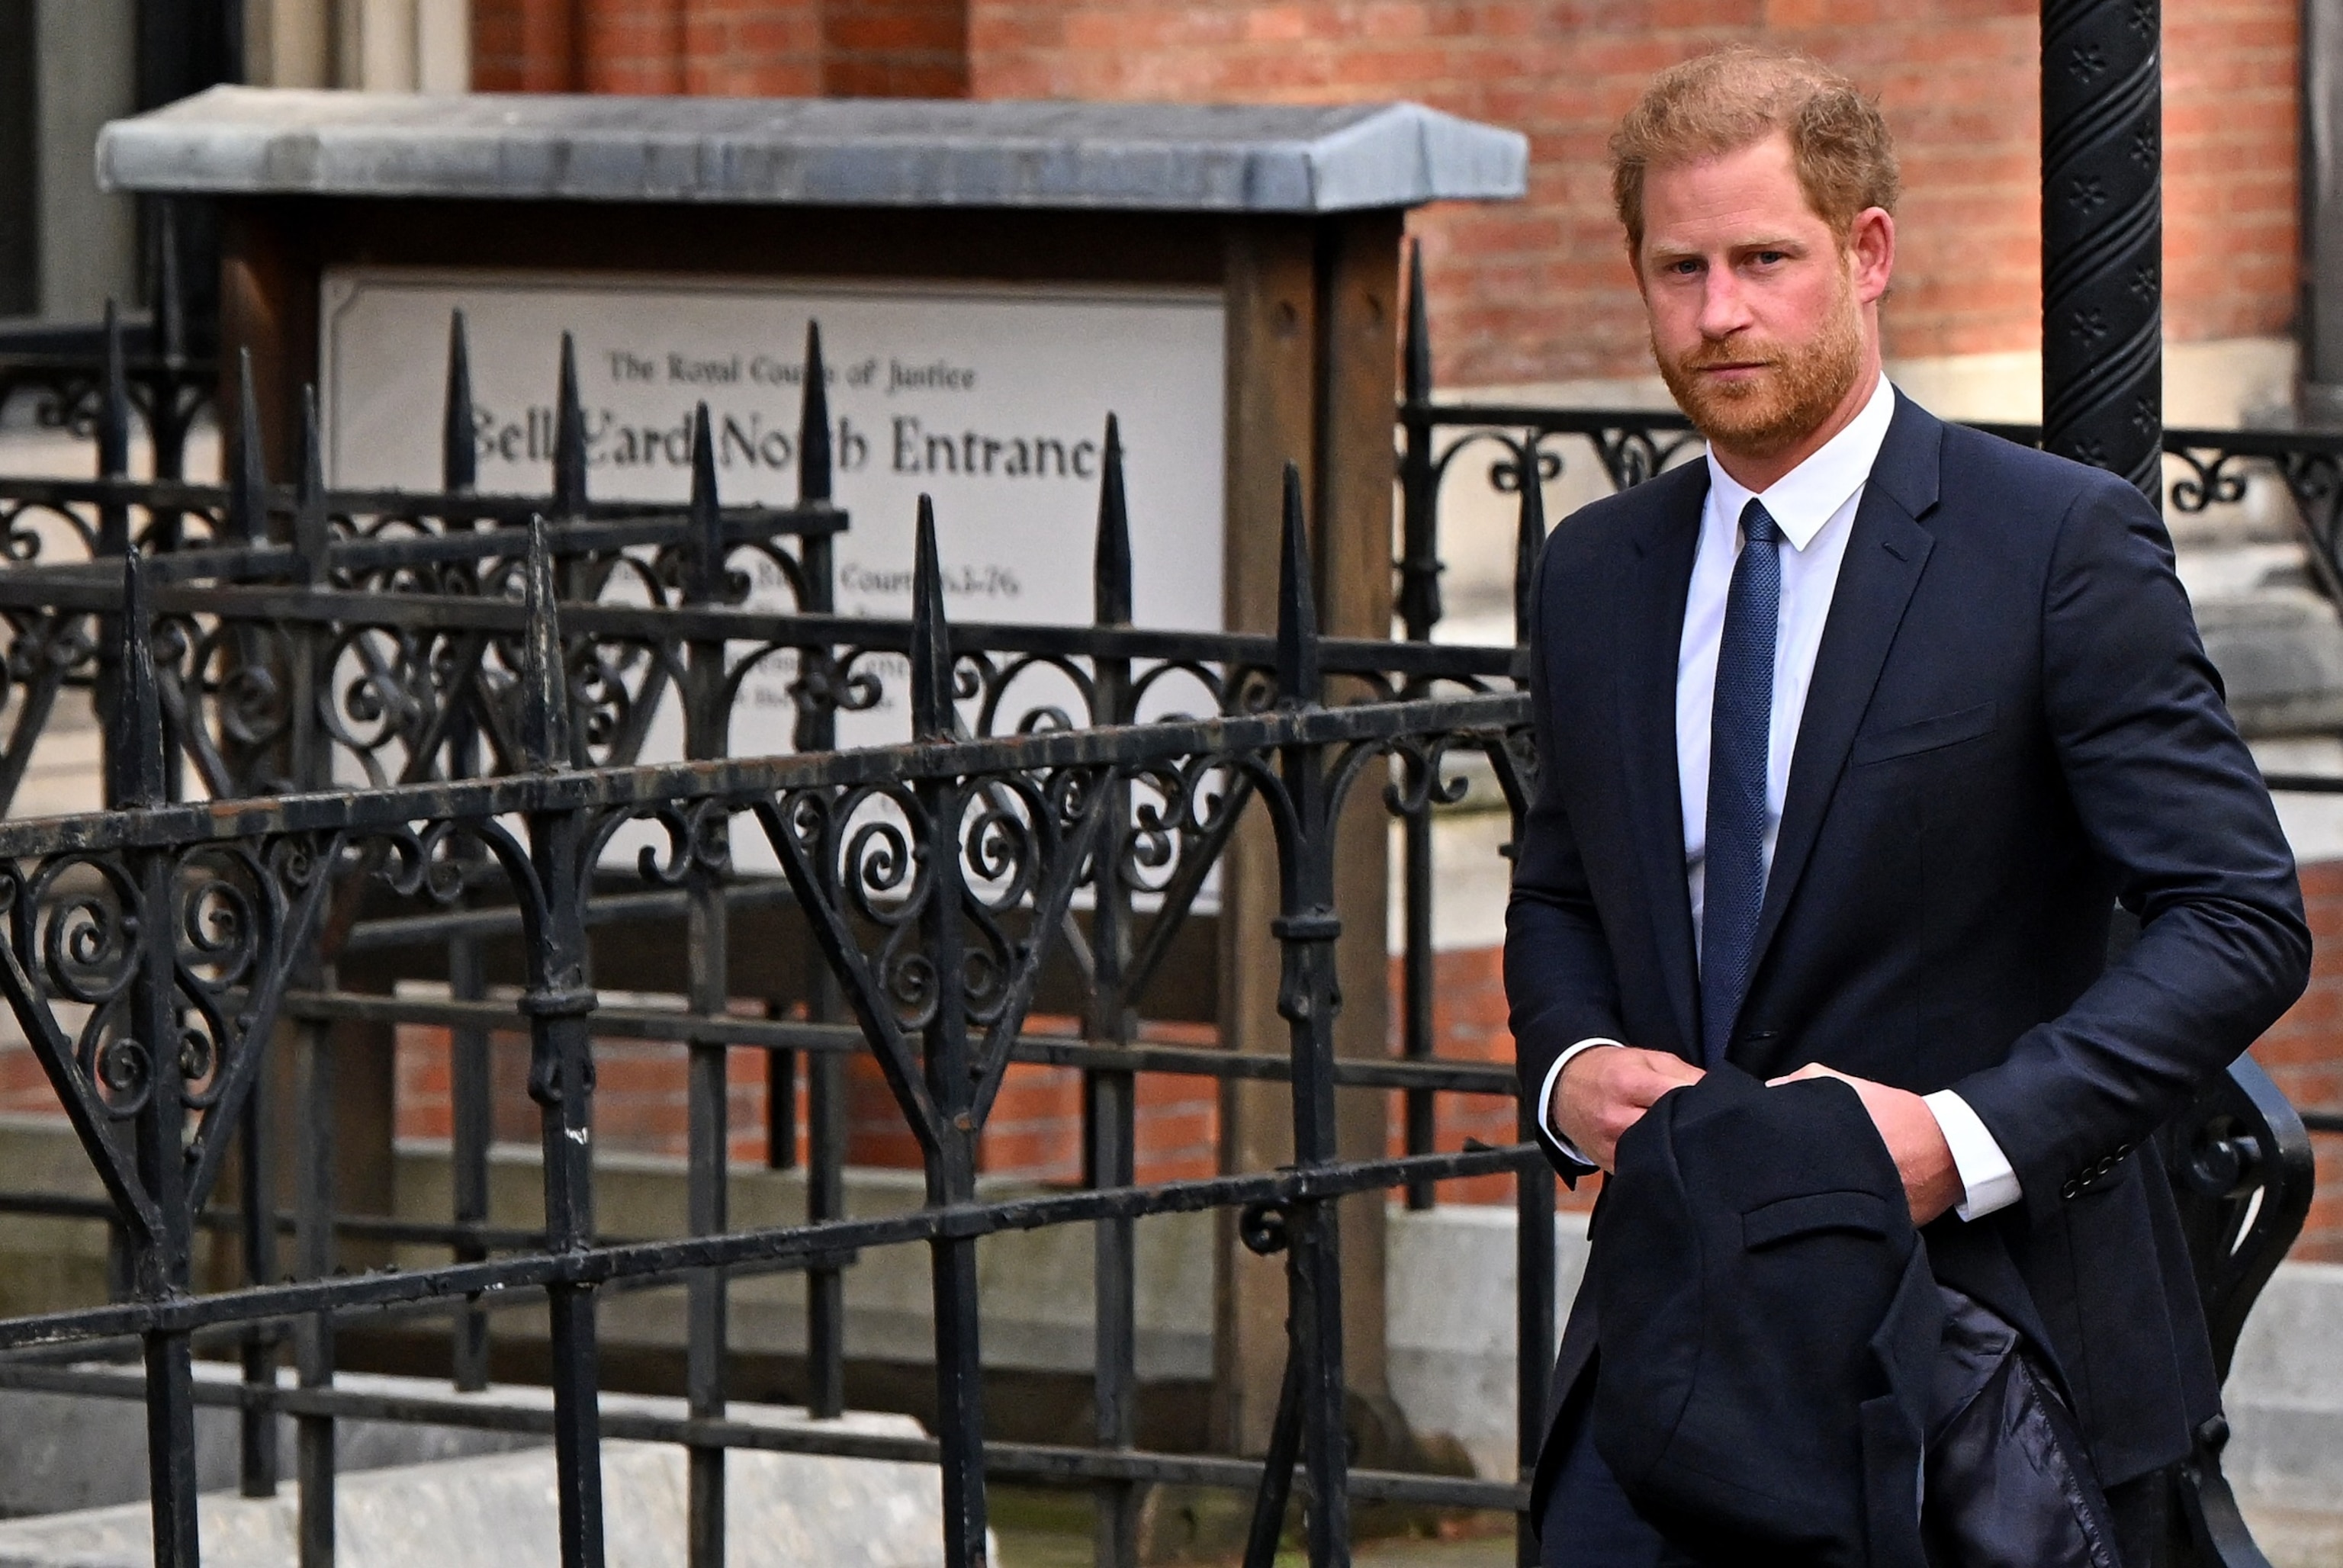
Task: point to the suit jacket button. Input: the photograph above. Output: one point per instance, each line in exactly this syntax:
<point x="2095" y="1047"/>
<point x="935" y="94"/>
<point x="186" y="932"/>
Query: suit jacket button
<point x="2073" y="1189"/>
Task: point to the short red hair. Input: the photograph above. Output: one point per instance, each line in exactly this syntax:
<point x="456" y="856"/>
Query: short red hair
<point x="1736" y="97"/>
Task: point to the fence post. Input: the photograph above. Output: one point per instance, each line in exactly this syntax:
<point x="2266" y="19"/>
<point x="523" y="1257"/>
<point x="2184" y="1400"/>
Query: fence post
<point x="314" y="1083"/>
<point x="1308" y="998"/>
<point x="1110" y="1095"/>
<point x="950" y="1161"/>
<point x="569" y="439"/>
<point x="1419" y="561"/>
<point x="1533" y="1198"/>
<point x="708" y="990"/>
<point x="115" y="537"/>
<point x="1419" y="609"/>
<point x="247" y="467"/>
<point x="141" y="1061"/>
<point x="561" y="1068"/>
<point x="459" y="458"/>
<point x="258" y="1455"/>
<point x="309" y="766"/>
<point x="472" y="1119"/>
<point x="315" y="1152"/>
<point x="113" y="425"/>
<point x="817" y="731"/>
<point x="569" y="499"/>
<point x="175" y="399"/>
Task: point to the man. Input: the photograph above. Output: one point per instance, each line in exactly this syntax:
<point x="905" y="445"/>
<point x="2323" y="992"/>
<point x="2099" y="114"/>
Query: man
<point x="1851" y="739"/>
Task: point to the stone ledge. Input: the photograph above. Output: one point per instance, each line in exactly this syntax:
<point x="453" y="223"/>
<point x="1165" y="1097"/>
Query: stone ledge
<point x="1162" y="157"/>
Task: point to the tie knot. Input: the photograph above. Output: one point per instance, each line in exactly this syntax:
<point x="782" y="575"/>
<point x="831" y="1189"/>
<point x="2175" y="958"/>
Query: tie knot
<point x="1758" y="525"/>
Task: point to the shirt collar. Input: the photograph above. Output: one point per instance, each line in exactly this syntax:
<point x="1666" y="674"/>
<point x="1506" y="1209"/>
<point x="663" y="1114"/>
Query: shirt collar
<point x="1811" y="494"/>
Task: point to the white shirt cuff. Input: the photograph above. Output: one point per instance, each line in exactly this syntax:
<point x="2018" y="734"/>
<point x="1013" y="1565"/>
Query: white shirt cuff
<point x="1988" y="1181"/>
<point x="1546" y="1095"/>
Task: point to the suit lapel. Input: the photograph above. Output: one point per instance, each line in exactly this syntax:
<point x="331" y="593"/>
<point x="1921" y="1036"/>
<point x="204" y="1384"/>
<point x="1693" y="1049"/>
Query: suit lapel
<point x="1885" y="557"/>
<point x="1651" y="605"/>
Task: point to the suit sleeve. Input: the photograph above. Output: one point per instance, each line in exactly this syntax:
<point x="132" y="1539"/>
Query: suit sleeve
<point x="1560" y="986"/>
<point x="2171" y="801"/>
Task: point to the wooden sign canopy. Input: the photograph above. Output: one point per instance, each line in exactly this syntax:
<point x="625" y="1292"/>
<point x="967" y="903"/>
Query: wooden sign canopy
<point x="1291" y="215"/>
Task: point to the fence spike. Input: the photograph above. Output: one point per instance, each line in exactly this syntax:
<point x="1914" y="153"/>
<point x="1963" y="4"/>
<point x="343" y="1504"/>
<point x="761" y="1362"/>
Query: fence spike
<point x="569" y="439"/>
<point x="704" y="544"/>
<point x="544" y="680"/>
<point x="459" y="464"/>
<point x="309" y="500"/>
<point x="813" y="423"/>
<point x="1297" y="604"/>
<point x="1528" y="540"/>
<point x="247" y="492"/>
<point x="931" y="658"/>
<point x="134" y="742"/>
<point x="1417" y="351"/>
<point x="113" y="403"/>
<point x="170" y="289"/>
<point x="1110" y="565"/>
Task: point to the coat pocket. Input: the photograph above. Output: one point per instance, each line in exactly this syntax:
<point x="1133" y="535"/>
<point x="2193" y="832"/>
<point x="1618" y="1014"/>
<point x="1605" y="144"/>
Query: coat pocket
<point x="1929" y="734"/>
<point x="1786" y="1219"/>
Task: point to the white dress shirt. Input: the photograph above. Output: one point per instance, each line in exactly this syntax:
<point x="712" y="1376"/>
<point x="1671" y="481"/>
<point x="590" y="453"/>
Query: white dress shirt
<point x="1813" y="505"/>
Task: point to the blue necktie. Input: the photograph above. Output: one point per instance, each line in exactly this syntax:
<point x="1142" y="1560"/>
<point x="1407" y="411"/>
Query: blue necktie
<point x="1740" y="729"/>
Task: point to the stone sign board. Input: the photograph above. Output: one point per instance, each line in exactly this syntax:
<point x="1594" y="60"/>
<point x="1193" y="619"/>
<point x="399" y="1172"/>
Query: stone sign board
<point x="993" y="400"/>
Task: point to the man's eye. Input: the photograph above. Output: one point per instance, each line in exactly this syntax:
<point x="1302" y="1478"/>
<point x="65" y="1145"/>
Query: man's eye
<point x="1769" y="258"/>
<point x="1684" y="268"/>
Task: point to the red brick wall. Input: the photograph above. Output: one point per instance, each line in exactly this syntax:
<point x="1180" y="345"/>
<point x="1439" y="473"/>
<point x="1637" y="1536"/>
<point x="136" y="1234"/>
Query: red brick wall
<point x="640" y="1106"/>
<point x="776" y="48"/>
<point x="628" y="46"/>
<point x="895" y="48"/>
<point x="1468" y="1024"/>
<point x="751" y="48"/>
<point x="2304" y="1053"/>
<point x="525" y="45"/>
<point x="2230" y="95"/>
<point x="640" y="1094"/>
<point x="1539" y="291"/>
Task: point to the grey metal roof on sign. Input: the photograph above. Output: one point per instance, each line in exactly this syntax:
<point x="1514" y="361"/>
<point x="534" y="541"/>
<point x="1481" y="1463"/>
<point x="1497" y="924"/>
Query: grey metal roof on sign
<point x="1173" y="158"/>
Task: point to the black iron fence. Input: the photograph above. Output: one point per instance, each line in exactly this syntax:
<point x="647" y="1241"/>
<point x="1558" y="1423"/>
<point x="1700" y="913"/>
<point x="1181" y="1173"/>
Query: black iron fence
<point x="420" y="725"/>
<point x="487" y="684"/>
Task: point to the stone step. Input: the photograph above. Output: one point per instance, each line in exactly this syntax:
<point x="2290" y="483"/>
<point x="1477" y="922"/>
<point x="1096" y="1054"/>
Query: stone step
<point x="497" y="1510"/>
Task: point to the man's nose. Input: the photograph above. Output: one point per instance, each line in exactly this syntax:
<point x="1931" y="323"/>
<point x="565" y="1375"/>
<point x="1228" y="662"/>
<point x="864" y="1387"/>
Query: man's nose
<point x="1723" y="308"/>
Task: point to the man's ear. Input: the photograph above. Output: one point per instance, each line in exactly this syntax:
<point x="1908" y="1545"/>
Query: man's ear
<point x="1871" y="250"/>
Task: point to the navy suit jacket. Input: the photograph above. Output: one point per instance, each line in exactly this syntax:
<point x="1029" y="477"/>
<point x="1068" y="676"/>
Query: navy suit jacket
<point x="2012" y="728"/>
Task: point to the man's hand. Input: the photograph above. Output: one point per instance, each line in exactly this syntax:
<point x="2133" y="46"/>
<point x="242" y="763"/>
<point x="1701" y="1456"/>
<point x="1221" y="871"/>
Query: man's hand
<point x="1606" y="1090"/>
<point x="1932" y="1183"/>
